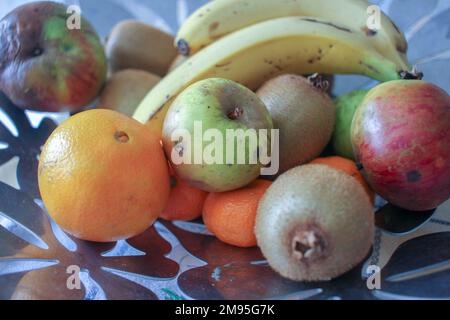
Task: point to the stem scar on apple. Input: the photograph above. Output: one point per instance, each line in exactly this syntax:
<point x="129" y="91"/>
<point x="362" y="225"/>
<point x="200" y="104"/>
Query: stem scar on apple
<point x="121" y="136"/>
<point x="236" y="113"/>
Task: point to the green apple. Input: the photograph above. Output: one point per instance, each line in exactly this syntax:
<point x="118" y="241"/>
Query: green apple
<point x="209" y="135"/>
<point x="346" y="106"/>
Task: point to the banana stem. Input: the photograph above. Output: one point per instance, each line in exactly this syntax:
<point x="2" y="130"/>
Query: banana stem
<point x="413" y="75"/>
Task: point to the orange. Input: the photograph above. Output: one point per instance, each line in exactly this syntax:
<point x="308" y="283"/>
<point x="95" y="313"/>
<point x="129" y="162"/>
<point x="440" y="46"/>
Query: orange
<point x="349" y="167"/>
<point x="103" y="176"/>
<point x="230" y="216"/>
<point x="185" y="202"/>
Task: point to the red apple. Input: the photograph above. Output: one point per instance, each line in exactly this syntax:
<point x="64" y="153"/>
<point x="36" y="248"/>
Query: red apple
<point x="44" y="64"/>
<point x="401" y="136"/>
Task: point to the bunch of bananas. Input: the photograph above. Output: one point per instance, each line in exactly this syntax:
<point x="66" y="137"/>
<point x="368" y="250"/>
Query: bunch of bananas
<point x="251" y="41"/>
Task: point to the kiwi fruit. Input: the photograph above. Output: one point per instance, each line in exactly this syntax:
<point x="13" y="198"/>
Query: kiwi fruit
<point x="314" y="223"/>
<point x="304" y="114"/>
<point x="136" y="45"/>
<point x="125" y="90"/>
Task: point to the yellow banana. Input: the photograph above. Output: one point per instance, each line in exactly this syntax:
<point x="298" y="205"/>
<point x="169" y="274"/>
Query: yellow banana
<point x="251" y="56"/>
<point x="221" y="17"/>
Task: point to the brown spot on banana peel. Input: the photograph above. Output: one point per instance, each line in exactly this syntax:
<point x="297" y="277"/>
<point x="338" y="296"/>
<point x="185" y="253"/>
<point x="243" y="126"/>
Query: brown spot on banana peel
<point x="401" y="48"/>
<point x="314" y="59"/>
<point x="279" y="68"/>
<point x="213" y="26"/>
<point x="327" y="24"/>
<point x="215" y="37"/>
<point x="224" y="64"/>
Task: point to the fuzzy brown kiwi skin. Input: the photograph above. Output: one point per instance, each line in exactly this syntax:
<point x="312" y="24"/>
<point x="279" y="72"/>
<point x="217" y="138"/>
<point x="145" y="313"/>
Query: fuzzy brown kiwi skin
<point x="304" y="114"/>
<point x="314" y="224"/>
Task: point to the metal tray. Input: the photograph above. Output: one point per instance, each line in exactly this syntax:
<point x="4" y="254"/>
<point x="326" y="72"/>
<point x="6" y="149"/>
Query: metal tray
<point x="182" y="260"/>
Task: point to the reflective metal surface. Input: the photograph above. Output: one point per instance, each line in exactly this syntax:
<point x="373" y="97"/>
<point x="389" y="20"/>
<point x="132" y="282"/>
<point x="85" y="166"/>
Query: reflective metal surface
<point x="182" y="260"/>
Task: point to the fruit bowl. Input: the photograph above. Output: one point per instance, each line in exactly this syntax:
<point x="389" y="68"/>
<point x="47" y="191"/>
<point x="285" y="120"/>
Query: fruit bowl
<point x="181" y="260"/>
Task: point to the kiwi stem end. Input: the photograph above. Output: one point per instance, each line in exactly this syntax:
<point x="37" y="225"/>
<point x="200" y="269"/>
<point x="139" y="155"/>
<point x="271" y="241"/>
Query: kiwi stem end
<point x="308" y="244"/>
